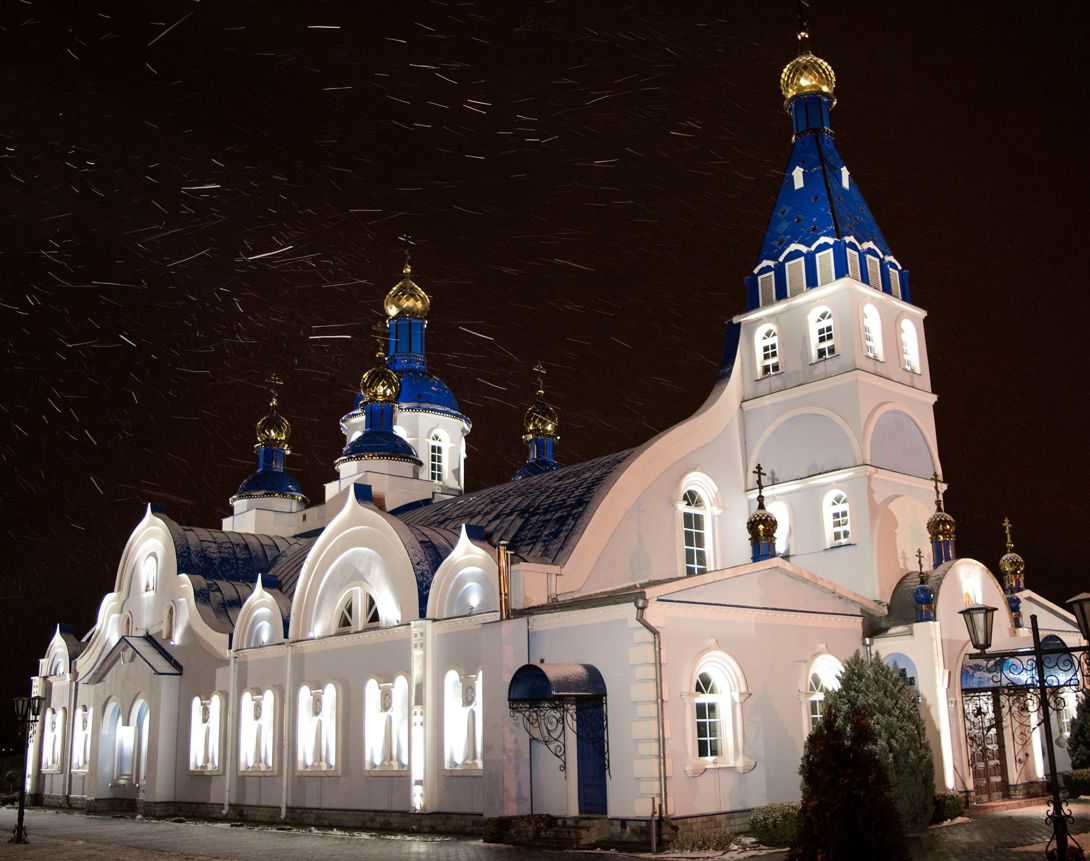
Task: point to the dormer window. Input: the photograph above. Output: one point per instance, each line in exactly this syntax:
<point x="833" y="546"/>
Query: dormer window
<point x="853" y="264"/>
<point x="796" y="276"/>
<point x="825" y="270"/>
<point x="768" y="351"/>
<point x="894" y="283"/>
<point x="874" y="272"/>
<point x="766" y="288"/>
<point x="872" y="333"/>
<point x="822" y="335"/>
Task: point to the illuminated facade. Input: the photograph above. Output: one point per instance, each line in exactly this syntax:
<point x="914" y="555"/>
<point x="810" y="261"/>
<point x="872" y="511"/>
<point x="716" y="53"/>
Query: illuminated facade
<point x="404" y="648"/>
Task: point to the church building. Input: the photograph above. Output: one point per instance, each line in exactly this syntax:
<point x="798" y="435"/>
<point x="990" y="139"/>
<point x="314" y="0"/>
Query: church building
<point x="650" y="631"/>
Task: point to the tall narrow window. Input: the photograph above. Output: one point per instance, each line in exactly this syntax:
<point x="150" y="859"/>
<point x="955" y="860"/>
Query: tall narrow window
<point x="257" y="731"/>
<point x="822" y="334"/>
<point x="717" y="695"/>
<point x="894" y="282"/>
<point x="463" y="730"/>
<point x="874" y="272"/>
<point x="838" y="514"/>
<point x="204" y="733"/>
<point x="168" y="624"/>
<point x="796" y="276"/>
<point x="81" y="739"/>
<point x="824" y="677"/>
<point x="766" y="288"/>
<point x="910" y="347"/>
<point x="872" y="333"/>
<point x="709" y="716"/>
<point x="817" y="700"/>
<point x="853" y="264"/>
<point x="52" y="739"/>
<point x="150" y="572"/>
<point x="694" y="529"/>
<point x="825" y="267"/>
<point x="316" y="728"/>
<point x="436" y="457"/>
<point x="768" y="350"/>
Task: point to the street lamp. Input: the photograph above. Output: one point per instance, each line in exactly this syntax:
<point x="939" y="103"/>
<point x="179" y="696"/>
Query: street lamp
<point x="27" y="710"/>
<point x="978" y="620"/>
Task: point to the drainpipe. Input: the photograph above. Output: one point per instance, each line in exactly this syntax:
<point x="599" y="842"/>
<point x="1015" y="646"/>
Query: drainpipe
<point x="867" y="643"/>
<point x="505" y="581"/>
<point x="641" y="607"/>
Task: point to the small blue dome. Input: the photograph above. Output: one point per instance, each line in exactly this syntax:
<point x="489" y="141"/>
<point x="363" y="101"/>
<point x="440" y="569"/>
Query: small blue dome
<point x="923" y="595"/>
<point x="270" y="482"/>
<point x="538" y="466"/>
<point x="379" y="445"/>
<point x="421" y="389"/>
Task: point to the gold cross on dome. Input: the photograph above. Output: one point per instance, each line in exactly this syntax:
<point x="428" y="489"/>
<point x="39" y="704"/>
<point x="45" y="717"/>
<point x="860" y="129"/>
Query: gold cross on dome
<point x="1007" y="529"/>
<point x="406" y="240"/>
<point x="760" y="473"/>
<point x="539" y="369"/>
<point x="274" y="382"/>
<point x="919" y="559"/>
<point x="938" y="494"/>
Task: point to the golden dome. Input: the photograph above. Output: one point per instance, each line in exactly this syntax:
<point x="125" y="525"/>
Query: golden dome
<point x="379" y="384"/>
<point x="541" y="419"/>
<point x="273" y="431"/>
<point x="941" y="526"/>
<point x="406" y="299"/>
<point x="1012" y="565"/>
<point x="807" y="74"/>
<point x="761" y="524"/>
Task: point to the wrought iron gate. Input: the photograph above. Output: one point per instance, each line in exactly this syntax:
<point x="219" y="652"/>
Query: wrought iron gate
<point x="987" y="750"/>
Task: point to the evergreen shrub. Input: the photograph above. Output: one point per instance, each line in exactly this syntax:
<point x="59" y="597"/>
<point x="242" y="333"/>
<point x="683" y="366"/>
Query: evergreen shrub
<point x="774" y="824"/>
<point x="708" y="840"/>
<point x="1078" y="743"/>
<point x="847" y="810"/>
<point x="900" y="736"/>
<point x="1077" y="782"/>
<point x="948" y="805"/>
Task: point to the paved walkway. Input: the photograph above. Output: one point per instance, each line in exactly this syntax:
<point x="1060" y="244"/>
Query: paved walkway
<point x="1005" y="836"/>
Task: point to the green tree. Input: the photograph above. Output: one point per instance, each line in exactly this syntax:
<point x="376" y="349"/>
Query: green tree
<point x="1078" y="744"/>
<point x="900" y="736"/>
<point x="847" y="811"/>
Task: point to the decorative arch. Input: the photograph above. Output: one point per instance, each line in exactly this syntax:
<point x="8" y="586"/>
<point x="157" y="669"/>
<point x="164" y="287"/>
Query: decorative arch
<point x="830" y="447"/>
<point x="260" y="621"/>
<point x="465" y="583"/>
<point x="870" y="426"/>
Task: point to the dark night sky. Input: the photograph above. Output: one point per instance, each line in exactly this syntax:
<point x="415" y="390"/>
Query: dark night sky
<point x="587" y="184"/>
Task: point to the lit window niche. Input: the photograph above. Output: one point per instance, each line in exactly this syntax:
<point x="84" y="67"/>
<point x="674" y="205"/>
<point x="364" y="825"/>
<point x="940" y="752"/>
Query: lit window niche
<point x="81" y="739"/>
<point x="316" y="729"/>
<point x="386" y="724"/>
<point x="257" y="731"/>
<point x="872" y="333"/>
<point x="131" y="745"/>
<point x="150" y="572"/>
<point x="205" y="723"/>
<point x="719" y="689"/>
<point x="910" y="347"/>
<point x="838" y="522"/>
<point x="824" y="676"/>
<point x="462" y="727"/>
<point x="52" y="739"/>
<point x="168" y="624"/>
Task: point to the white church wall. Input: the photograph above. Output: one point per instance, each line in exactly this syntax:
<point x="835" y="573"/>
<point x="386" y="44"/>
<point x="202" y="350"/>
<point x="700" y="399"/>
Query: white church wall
<point x="506" y="784"/>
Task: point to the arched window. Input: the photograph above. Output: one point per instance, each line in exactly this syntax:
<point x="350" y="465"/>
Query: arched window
<point x="257" y="731"/>
<point x="838" y="523"/>
<point x="910" y="347"/>
<point x="767" y="345"/>
<point x="56" y="667"/>
<point x="131" y="750"/>
<point x="316" y="728"/>
<point x="386" y="724"/>
<point x="822" y="336"/>
<point x="718" y="692"/>
<point x="462" y="726"/>
<point x="52" y="739"/>
<point x="204" y="733"/>
<point x="150" y="572"/>
<point x="872" y="332"/>
<point x="436" y="465"/>
<point x="357" y="610"/>
<point x="694" y="518"/>
<point x="81" y="739"/>
<point x="823" y="676"/>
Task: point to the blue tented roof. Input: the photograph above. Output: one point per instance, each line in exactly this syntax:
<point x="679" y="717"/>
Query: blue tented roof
<point x="537" y="682"/>
<point x="540" y="517"/>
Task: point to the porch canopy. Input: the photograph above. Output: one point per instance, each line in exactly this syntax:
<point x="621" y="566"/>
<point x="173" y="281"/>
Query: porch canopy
<point x="541" y="682"/>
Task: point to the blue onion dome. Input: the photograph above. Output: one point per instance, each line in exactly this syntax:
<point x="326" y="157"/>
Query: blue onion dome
<point x="923" y="595"/>
<point x="270" y="480"/>
<point x="424" y="391"/>
<point x="379" y="445"/>
<point x="379" y="385"/>
<point x="807" y="74"/>
<point x="406" y="299"/>
<point x="274" y="483"/>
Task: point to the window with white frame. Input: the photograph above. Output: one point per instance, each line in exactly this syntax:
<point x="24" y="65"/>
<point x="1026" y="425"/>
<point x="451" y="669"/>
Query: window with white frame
<point x="853" y="264"/>
<point x="81" y="739"/>
<point x="822" y="334"/>
<point x="436" y="469"/>
<point x="717" y="696"/>
<point x="463" y="730"/>
<point x="826" y="272"/>
<point x="257" y="731"/>
<point x="386" y="724"/>
<point x="823" y="676"/>
<point x="150" y="571"/>
<point x="768" y="350"/>
<point x="357" y="609"/>
<point x="52" y="739"/>
<point x="205" y="720"/>
<point x="694" y="531"/>
<point x="316" y="728"/>
<point x="838" y="518"/>
<point x="872" y="332"/>
<point x="766" y="288"/>
<point x="910" y="347"/>
<point x="796" y="276"/>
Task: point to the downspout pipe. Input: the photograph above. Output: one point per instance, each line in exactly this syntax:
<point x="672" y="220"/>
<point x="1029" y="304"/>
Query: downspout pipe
<point x="641" y="607"/>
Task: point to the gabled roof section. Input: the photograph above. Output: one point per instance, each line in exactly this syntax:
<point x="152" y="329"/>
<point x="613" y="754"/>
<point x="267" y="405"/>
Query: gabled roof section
<point x="158" y="660"/>
<point x="818" y="200"/>
<point x="541" y="518"/>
